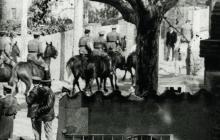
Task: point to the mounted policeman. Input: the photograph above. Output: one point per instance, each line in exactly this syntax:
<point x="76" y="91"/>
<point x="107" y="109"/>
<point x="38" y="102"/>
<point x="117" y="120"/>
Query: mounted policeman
<point x="100" y="45"/>
<point x="113" y="40"/>
<point x="6" y="44"/>
<point x="85" y="44"/>
<point x="35" y="54"/>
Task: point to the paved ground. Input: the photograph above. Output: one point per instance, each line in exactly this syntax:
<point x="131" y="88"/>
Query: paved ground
<point x="22" y="127"/>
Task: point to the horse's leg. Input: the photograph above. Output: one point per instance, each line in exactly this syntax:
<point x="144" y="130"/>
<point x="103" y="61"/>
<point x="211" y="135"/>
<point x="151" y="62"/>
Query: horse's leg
<point x="28" y="82"/>
<point x="132" y="76"/>
<point x="111" y="81"/>
<point x="124" y="77"/>
<point x="116" y="80"/>
<point x="98" y="84"/>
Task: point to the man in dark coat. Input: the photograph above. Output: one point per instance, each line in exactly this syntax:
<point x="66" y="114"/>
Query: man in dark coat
<point x="8" y="109"/>
<point x="170" y="42"/>
<point x="41" y="109"/>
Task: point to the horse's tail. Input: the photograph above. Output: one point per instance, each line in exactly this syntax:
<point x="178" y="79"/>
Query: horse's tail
<point x="69" y="65"/>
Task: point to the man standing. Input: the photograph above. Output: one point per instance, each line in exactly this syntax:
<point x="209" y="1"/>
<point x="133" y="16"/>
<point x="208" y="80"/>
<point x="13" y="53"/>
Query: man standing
<point x="41" y="109"/>
<point x="113" y="40"/>
<point x="35" y="54"/>
<point x="9" y="109"/>
<point x="85" y="44"/>
<point x="170" y="42"/>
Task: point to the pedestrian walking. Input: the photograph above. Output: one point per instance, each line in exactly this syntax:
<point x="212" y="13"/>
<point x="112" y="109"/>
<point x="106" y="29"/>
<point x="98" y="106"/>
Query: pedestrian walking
<point x="171" y="40"/>
<point x="41" y="108"/>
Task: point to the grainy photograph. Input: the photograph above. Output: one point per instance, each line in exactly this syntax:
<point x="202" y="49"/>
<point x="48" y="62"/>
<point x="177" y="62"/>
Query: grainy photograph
<point x="109" y="69"/>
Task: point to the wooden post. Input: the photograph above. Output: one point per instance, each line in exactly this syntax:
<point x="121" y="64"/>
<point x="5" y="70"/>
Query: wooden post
<point x="78" y="24"/>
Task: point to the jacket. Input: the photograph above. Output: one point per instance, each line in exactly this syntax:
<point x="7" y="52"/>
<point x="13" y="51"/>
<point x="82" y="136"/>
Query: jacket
<point x="41" y="104"/>
<point x="46" y="108"/>
<point x="171" y="39"/>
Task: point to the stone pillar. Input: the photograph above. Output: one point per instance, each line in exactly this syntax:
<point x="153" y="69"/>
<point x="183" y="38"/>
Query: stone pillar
<point x="78" y="24"/>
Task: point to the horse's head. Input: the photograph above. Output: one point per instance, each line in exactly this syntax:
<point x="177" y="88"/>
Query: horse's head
<point x="50" y="51"/>
<point x="15" y="49"/>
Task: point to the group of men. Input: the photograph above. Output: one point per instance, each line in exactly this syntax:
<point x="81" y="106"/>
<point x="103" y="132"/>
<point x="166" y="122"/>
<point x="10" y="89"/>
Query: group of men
<point x="41" y="98"/>
<point x="40" y="103"/>
<point x="100" y="46"/>
<point x="185" y="38"/>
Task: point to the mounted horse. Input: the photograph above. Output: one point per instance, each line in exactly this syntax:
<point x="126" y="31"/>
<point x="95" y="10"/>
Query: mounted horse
<point x="24" y="71"/>
<point x="90" y="68"/>
<point x="6" y="71"/>
<point x="131" y="63"/>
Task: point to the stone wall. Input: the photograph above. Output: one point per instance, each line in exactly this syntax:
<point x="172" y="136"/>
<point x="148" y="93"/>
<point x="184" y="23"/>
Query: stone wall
<point x="187" y="117"/>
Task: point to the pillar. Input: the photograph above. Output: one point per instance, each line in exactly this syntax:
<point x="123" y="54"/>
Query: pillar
<point x="78" y="24"/>
<point x="24" y="29"/>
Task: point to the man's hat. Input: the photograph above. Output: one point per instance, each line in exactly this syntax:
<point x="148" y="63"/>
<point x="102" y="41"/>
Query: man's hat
<point x="46" y="82"/>
<point x="36" y="80"/>
<point x="101" y="33"/>
<point x="114" y="27"/>
<point x="7" y="88"/>
<point x="87" y="31"/>
<point x="36" y="33"/>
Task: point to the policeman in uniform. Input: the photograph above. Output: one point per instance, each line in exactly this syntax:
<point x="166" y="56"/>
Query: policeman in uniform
<point x="85" y="44"/>
<point x="100" y="45"/>
<point x="5" y="48"/>
<point x="113" y="40"/>
<point x="35" y="53"/>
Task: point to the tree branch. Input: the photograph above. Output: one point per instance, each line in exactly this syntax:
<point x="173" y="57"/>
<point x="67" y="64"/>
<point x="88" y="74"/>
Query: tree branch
<point x="124" y="7"/>
<point x="168" y="4"/>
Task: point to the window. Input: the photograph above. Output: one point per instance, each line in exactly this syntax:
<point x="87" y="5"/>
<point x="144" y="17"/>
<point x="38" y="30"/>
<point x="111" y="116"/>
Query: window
<point x="14" y="13"/>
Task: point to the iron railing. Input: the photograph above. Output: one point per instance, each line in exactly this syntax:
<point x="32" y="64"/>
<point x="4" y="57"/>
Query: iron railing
<point x="121" y="136"/>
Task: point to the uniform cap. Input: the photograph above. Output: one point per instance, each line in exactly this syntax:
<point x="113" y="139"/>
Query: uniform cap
<point x="37" y="33"/>
<point x="114" y="27"/>
<point x="87" y="31"/>
<point x="36" y="79"/>
<point x="101" y="33"/>
<point x="46" y="82"/>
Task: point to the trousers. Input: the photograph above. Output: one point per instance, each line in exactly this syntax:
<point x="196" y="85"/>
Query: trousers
<point x="36" y="126"/>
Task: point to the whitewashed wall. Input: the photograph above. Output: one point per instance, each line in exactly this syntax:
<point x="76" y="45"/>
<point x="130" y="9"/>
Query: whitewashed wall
<point x="63" y="43"/>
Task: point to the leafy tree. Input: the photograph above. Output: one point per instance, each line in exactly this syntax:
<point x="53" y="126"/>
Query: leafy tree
<point x="147" y="15"/>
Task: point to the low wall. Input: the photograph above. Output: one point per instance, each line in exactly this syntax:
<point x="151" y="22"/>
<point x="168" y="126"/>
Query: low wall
<point x="188" y="118"/>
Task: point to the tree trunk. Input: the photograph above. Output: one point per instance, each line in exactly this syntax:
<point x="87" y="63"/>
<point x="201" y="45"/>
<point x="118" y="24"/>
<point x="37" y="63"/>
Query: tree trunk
<point x="147" y="59"/>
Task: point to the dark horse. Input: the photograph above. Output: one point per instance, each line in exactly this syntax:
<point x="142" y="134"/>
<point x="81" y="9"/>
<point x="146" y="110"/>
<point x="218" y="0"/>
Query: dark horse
<point x="89" y="69"/>
<point x="25" y="70"/>
<point x="6" y="72"/>
<point x="131" y="63"/>
<point x="118" y="62"/>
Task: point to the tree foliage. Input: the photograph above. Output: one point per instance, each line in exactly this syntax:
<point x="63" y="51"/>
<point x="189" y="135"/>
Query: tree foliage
<point x="41" y="19"/>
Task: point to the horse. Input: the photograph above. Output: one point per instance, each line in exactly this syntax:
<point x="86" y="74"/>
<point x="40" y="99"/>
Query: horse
<point x="118" y="62"/>
<point x="6" y="71"/>
<point x="90" y="68"/>
<point x="24" y="71"/>
<point x="131" y="63"/>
